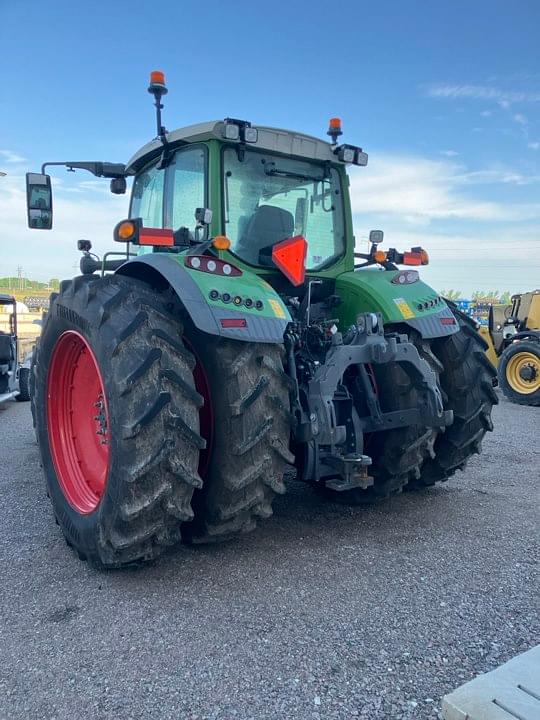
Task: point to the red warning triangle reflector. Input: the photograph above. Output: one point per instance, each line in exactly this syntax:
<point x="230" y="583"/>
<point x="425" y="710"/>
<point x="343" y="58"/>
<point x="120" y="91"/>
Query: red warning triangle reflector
<point x="290" y="257"/>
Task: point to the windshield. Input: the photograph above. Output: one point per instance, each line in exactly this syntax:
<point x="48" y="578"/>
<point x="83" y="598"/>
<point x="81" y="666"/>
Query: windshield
<point x="270" y="198"/>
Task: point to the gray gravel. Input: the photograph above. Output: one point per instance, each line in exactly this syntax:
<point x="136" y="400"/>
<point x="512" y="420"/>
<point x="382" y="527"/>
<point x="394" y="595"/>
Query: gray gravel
<point x="324" y="612"/>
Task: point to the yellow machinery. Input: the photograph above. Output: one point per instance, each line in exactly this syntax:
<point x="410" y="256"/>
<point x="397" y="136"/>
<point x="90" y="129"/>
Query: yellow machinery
<point x="513" y="338"/>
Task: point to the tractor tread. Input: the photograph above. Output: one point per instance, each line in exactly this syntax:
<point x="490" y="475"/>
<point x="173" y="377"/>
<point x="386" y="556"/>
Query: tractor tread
<point x="250" y="448"/>
<point x="467" y="389"/>
<point x="151" y="394"/>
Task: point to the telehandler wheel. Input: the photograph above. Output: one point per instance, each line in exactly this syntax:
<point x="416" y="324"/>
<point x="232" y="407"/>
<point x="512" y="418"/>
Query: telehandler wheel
<point x="117" y="417"/>
<point x="250" y="425"/>
<point x="24" y="385"/>
<point x="467" y="389"/>
<point x="519" y="372"/>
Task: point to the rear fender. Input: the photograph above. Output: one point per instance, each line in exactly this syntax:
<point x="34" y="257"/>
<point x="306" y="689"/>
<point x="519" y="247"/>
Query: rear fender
<point x="213" y="316"/>
<point x="412" y="303"/>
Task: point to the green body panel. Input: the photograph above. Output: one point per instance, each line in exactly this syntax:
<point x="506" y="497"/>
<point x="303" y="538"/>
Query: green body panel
<point x="247" y="285"/>
<point x="373" y="291"/>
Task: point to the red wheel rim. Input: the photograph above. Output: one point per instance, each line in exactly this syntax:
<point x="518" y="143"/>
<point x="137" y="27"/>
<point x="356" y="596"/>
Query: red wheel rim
<point x="77" y="420"/>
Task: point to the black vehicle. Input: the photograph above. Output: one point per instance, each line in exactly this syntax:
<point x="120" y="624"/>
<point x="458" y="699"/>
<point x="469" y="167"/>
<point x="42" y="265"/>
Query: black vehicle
<point x="14" y="377"/>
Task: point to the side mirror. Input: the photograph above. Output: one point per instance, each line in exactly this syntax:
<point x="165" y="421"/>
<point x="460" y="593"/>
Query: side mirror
<point x="376" y="237"/>
<point x="39" y="201"/>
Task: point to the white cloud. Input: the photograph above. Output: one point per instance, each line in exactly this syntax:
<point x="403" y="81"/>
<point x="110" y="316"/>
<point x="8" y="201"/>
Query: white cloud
<point x="480" y="92"/>
<point x="534" y="145"/>
<point x="416" y="200"/>
<point x="486" y="113"/>
<point x="468" y="261"/>
<point x="419" y="191"/>
<point x="11" y="157"/>
<point x="45" y="254"/>
<point x="520" y="119"/>
<point x="490" y="177"/>
<point x="449" y="153"/>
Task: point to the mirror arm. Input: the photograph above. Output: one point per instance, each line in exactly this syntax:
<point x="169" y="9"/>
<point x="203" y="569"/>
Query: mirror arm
<point x="99" y="169"/>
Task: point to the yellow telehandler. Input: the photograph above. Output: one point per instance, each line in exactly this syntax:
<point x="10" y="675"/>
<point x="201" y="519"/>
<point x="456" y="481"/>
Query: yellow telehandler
<point x="513" y="337"/>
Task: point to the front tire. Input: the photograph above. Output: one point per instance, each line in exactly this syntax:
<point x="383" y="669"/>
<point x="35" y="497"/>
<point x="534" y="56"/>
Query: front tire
<point x="117" y="420"/>
<point x="519" y="372"/>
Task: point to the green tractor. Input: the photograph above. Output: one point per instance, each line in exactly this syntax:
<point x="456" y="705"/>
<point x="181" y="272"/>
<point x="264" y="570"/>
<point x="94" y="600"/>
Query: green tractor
<point x="236" y="334"/>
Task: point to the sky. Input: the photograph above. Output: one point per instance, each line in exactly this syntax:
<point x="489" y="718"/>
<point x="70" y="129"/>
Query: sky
<point x="444" y="96"/>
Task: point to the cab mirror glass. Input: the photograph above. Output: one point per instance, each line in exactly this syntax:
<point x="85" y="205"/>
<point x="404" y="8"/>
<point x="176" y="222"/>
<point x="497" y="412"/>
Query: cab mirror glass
<point x="39" y="201"/>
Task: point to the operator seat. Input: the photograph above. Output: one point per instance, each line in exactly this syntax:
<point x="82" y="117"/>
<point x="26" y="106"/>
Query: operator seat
<point x="267" y="226"/>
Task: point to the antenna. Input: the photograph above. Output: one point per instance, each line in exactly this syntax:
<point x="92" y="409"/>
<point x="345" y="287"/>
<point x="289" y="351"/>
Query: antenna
<point x="158" y="88"/>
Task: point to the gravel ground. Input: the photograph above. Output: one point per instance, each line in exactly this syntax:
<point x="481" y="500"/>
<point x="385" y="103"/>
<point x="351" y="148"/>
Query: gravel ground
<point x="324" y="612"/>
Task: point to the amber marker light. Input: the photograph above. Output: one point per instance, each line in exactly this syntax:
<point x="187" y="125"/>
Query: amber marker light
<point x="126" y="230"/>
<point x="221" y="242"/>
<point x="334" y="129"/>
<point x="157" y="77"/>
<point x="379" y="256"/>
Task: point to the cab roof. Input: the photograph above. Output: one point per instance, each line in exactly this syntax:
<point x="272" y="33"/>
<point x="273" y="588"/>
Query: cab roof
<point x="286" y="142"/>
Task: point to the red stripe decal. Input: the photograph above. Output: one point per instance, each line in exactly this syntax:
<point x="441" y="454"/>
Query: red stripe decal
<point x="233" y="323"/>
<point x="156" y="236"/>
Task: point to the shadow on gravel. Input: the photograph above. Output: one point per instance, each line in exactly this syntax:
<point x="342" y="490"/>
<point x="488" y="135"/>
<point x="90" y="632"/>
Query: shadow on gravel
<point x="305" y="521"/>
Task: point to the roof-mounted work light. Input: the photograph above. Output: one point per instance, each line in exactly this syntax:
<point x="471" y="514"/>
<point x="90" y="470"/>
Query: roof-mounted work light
<point x="241" y="130"/>
<point x="351" y="154"/>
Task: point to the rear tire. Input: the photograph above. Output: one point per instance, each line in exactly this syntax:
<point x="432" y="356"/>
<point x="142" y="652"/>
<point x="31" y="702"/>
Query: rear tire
<point x="519" y="355"/>
<point x="151" y="424"/>
<point x="467" y="389"/>
<point x="249" y="396"/>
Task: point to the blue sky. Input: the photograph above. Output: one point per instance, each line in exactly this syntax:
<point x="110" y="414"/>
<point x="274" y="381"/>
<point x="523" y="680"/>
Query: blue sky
<point x="445" y="98"/>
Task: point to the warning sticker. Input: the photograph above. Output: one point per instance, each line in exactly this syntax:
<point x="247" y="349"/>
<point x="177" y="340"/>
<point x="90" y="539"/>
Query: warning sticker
<point x="277" y="308"/>
<point x="404" y="308"/>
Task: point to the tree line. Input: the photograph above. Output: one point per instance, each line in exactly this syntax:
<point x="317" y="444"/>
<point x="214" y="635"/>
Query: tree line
<point x="494" y="297"/>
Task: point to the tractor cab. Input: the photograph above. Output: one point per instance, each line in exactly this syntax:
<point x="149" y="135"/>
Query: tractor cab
<point x="279" y="197"/>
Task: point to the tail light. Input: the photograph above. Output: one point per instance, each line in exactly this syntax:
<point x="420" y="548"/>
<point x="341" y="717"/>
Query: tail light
<point x="209" y="264"/>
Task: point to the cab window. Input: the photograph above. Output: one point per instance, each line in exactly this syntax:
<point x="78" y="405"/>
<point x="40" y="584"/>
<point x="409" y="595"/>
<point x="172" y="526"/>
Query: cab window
<point x="270" y="198"/>
<point x="169" y="197"/>
<point x="187" y="187"/>
<point x="147" y="197"/>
